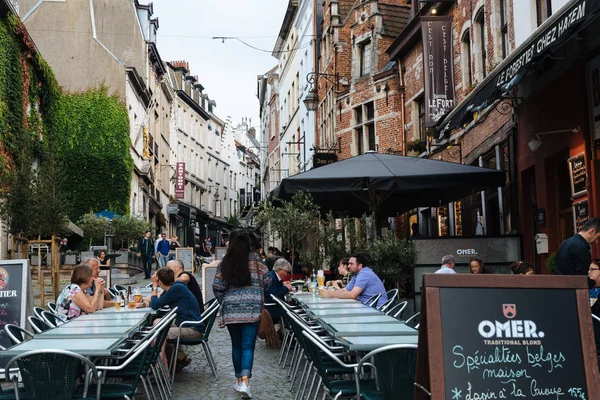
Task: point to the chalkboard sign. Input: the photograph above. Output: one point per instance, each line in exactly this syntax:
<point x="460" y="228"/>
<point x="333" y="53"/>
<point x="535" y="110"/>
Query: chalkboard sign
<point x="580" y="214"/>
<point x="506" y="337"/>
<point x="14" y="277"/>
<point x="220" y="253"/>
<point x="577" y="172"/>
<point x="208" y="276"/>
<point x="186" y="255"/>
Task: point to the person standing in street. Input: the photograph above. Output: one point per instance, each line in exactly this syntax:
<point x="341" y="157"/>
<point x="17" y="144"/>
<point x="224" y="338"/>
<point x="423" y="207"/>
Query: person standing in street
<point x="145" y="249"/>
<point x="239" y="287"/>
<point x="574" y="255"/>
<point x="448" y="264"/>
<point x="162" y="248"/>
<point x="173" y="245"/>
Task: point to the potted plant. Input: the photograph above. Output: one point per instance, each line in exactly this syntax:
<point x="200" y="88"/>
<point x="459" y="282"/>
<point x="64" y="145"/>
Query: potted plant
<point x="417" y="146"/>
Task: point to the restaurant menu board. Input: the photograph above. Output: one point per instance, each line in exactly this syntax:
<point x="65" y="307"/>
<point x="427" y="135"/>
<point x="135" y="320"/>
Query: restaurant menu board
<point x="220" y="253"/>
<point x="577" y="172"/>
<point x="506" y="337"/>
<point x="509" y="345"/>
<point x="580" y="214"/>
<point x="14" y="276"/>
<point x="186" y="255"/>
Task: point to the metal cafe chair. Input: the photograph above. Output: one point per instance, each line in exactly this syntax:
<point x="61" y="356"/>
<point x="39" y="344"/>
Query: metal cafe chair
<point x="51" y="318"/>
<point x="397" y="310"/>
<point x="372" y="302"/>
<point x="392" y="294"/>
<point x="38" y="311"/>
<point x="414" y="321"/>
<point x="38" y="324"/>
<point x="208" y="319"/>
<point x="394" y="367"/>
<point x="52" y="307"/>
<point x="16" y="334"/>
<point x="52" y="371"/>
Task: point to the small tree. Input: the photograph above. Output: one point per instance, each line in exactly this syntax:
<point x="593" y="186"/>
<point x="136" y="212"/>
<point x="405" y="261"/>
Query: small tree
<point x="392" y="259"/>
<point x="293" y="221"/>
<point x="129" y="228"/>
<point x="93" y="227"/>
<point x="51" y="207"/>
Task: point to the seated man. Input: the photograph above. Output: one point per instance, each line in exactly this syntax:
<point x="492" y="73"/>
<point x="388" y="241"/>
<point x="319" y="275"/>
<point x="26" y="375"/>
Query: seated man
<point x="277" y="287"/>
<point x="176" y="294"/>
<point x="189" y="279"/>
<point x="363" y="286"/>
<point x="94" y="264"/>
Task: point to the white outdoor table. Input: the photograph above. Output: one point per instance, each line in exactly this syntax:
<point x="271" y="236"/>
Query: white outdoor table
<point x="333" y="306"/>
<point x="366" y="319"/>
<point x="126" y="310"/>
<point x="356" y="329"/>
<point x="349" y="312"/>
<point x="319" y="300"/>
<point x="90" y="332"/>
<point x="136" y="322"/>
<point x="369" y="343"/>
<point x="115" y="316"/>
<point x="100" y="347"/>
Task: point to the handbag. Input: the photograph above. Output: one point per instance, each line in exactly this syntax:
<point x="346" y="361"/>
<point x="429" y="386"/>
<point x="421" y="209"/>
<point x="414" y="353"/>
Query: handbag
<point x="266" y="327"/>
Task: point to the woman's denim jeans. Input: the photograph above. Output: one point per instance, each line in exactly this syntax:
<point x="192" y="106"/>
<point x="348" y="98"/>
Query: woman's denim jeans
<point x="243" y="339"/>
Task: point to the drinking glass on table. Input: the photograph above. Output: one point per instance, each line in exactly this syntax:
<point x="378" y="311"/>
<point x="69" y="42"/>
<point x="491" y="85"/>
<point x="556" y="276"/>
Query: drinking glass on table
<point x="137" y="294"/>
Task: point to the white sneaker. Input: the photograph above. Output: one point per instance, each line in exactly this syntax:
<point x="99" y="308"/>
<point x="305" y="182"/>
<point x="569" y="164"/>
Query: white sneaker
<point x="237" y="386"/>
<point x="245" y="391"/>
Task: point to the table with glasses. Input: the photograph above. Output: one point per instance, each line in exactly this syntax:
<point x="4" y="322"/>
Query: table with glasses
<point x="369" y="343"/>
<point x="358" y="329"/>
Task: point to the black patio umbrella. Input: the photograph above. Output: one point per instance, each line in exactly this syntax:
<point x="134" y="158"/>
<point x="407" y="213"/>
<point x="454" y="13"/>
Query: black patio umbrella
<point x="388" y="184"/>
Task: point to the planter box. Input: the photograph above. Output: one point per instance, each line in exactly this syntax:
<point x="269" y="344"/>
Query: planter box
<point x="71" y="259"/>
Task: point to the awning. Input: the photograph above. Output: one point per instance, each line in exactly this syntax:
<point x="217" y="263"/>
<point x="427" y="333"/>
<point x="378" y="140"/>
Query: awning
<point x="561" y="26"/>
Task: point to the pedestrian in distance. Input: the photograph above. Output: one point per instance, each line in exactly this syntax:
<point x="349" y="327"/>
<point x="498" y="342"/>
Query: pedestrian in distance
<point x="573" y="256"/>
<point x="162" y="248"/>
<point x="239" y="287"/>
<point x="522" y="268"/>
<point x="145" y="250"/>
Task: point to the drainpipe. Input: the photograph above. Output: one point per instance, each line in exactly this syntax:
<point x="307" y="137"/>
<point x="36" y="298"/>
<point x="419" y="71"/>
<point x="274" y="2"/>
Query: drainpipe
<point x="403" y="122"/>
<point x="483" y="210"/>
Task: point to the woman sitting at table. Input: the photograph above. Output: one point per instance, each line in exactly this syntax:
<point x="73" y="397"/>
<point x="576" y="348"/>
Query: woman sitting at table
<point x="345" y="275"/>
<point x="73" y="300"/>
<point x="104" y="261"/>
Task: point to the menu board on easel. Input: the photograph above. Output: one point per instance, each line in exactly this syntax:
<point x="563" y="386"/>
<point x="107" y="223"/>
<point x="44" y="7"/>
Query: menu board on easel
<point x="186" y="256"/>
<point x="14" y="278"/>
<point x="580" y="214"/>
<point x="507" y="346"/>
<point x="578" y="175"/>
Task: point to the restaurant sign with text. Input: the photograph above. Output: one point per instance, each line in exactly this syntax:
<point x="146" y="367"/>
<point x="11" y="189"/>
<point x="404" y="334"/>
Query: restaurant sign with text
<point x="554" y="33"/>
<point x="180" y="180"/>
<point x="438" y="67"/>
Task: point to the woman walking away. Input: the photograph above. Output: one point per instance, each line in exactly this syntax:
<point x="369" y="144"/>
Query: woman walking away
<point x="239" y="288"/>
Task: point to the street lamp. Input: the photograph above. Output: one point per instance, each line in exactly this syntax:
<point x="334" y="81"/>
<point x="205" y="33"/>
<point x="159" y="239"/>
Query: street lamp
<point x="311" y="100"/>
<point x="217" y="203"/>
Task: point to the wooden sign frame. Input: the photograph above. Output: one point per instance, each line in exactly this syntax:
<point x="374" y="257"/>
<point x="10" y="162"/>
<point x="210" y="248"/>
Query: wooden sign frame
<point x="431" y="350"/>
<point x="570" y="161"/>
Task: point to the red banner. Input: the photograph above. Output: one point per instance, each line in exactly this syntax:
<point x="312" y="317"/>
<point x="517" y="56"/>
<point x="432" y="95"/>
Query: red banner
<point x="180" y="183"/>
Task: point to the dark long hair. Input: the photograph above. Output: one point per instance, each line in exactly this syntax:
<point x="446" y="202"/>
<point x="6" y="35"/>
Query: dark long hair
<point x="234" y="267"/>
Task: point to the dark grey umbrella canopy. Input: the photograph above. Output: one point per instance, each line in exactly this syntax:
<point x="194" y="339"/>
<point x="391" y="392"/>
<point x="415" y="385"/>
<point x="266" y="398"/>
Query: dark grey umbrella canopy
<point x="388" y="184"/>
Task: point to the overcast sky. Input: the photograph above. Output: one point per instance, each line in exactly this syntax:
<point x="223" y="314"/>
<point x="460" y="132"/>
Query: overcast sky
<point x="227" y="70"/>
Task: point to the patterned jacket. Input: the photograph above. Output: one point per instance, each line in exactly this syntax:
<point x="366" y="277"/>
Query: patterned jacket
<point x="241" y="305"/>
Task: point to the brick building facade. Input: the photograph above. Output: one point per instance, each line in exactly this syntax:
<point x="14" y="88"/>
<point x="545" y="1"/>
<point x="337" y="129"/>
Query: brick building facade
<point x="482" y="36"/>
<point x="359" y="100"/>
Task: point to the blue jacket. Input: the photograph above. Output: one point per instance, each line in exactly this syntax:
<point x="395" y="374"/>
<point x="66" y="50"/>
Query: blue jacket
<point x="179" y="296"/>
<point x="277" y="289"/>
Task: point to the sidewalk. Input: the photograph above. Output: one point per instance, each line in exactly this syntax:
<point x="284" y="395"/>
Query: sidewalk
<point x="269" y="381"/>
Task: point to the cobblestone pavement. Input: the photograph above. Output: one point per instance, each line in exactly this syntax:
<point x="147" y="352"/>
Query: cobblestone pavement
<point x="196" y="381"/>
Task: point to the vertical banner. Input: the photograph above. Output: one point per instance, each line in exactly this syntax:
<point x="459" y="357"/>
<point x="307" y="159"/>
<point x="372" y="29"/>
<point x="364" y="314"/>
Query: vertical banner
<point x="438" y="67"/>
<point x="180" y="183"/>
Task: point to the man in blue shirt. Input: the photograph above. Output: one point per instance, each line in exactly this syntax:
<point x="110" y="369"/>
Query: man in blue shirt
<point x="363" y="286"/>
<point x="176" y="294"/>
<point x="162" y="248"/>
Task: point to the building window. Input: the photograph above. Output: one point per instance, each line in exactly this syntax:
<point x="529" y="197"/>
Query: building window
<point x="364" y="128"/>
<point x="364" y="50"/>
<point x="544" y="10"/>
<point x="504" y="28"/>
<point x="467" y="76"/>
<point x="481" y="41"/>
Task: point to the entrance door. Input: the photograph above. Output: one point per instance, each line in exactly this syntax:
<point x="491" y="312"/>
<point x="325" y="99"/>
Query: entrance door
<point x="529" y="216"/>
